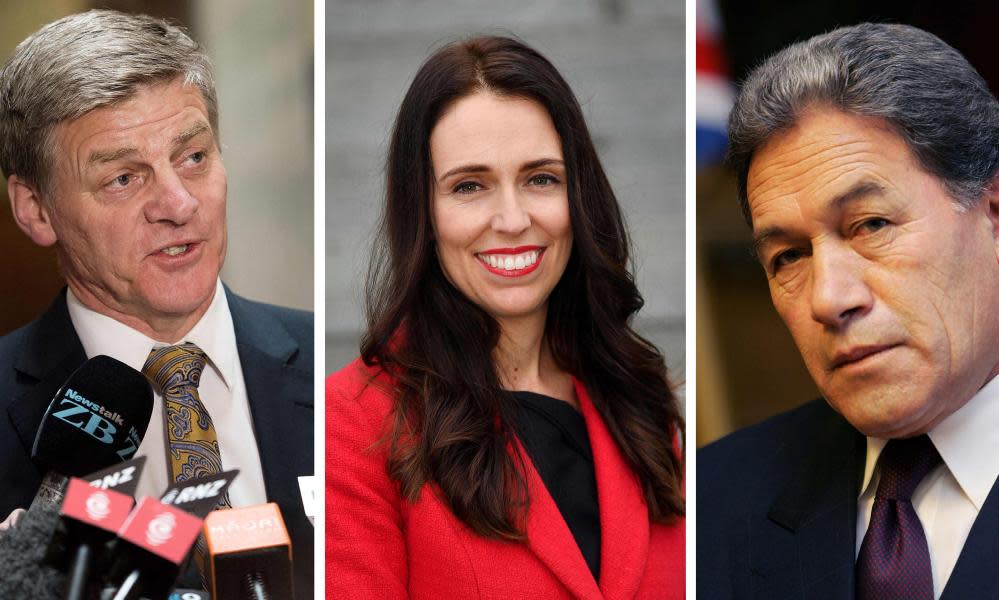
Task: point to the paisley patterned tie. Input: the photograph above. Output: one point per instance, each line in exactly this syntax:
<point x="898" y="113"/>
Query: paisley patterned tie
<point x="193" y="447"/>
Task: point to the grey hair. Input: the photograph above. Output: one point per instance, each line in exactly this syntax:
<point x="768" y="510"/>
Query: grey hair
<point x="83" y="62"/>
<point x="924" y="89"/>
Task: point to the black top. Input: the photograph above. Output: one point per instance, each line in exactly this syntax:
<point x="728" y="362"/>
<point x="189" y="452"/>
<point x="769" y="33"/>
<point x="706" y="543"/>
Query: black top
<point x="554" y="435"/>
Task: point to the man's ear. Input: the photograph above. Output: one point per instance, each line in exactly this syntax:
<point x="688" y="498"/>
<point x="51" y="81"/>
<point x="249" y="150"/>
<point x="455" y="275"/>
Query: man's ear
<point x="30" y="211"/>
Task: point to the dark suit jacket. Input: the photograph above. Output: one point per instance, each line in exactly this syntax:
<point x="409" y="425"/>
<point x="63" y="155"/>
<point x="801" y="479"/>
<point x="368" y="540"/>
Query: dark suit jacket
<point x="777" y="514"/>
<point x="381" y="546"/>
<point x="275" y="348"/>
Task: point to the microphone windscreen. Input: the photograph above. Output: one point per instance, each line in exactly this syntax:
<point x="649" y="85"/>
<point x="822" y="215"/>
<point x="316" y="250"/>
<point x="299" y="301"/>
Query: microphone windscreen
<point x="23" y="572"/>
<point x="97" y="419"/>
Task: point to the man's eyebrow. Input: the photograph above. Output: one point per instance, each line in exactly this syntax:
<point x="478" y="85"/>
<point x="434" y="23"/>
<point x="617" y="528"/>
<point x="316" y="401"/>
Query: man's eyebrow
<point x="191" y="132"/>
<point x="763" y="237"/>
<point x="860" y="190"/>
<point x="106" y="156"/>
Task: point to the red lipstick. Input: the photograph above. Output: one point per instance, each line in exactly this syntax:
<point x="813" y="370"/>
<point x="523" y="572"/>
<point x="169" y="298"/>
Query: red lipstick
<point x="496" y="260"/>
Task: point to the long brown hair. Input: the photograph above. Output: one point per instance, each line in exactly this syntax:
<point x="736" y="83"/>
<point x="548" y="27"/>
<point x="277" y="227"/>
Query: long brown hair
<point x="452" y="420"/>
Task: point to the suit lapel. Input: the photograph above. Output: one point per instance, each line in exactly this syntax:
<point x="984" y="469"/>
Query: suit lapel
<point x="808" y="547"/>
<point x="52" y="351"/>
<point x="265" y="351"/>
<point x="624" y="532"/>
<point x="549" y="538"/>
<point x="974" y="575"/>
<point x="624" y="526"/>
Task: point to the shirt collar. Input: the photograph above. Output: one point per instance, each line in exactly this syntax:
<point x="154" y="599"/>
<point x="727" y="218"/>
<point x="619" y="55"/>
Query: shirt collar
<point x="213" y="333"/>
<point x="968" y="442"/>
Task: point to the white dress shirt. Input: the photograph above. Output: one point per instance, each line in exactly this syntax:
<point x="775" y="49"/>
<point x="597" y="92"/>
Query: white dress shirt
<point x="222" y="391"/>
<point x="949" y="498"/>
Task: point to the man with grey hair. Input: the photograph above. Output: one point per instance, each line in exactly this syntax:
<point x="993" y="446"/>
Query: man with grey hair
<point x="109" y="145"/>
<point x="866" y="161"/>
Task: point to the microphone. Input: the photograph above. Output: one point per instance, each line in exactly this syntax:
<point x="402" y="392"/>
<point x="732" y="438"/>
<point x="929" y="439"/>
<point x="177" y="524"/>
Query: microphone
<point x="123" y="477"/>
<point x="26" y="570"/>
<point x="155" y="540"/>
<point x="96" y="419"/>
<point x="90" y="516"/>
<point x="201" y="495"/>
<point x="249" y="554"/>
<point x="152" y="545"/>
<point x="23" y="570"/>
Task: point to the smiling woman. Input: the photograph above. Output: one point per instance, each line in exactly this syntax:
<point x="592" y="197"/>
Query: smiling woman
<point x="505" y="432"/>
<point x="501" y="225"/>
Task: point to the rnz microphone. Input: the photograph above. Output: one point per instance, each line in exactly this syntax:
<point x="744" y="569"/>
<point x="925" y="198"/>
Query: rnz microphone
<point x="249" y="554"/>
<point x="90" y="516"/>
<point x="97" y="419"/>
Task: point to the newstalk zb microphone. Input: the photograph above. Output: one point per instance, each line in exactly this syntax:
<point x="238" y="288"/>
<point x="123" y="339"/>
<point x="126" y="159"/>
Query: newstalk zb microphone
<point x="97" y="419"/>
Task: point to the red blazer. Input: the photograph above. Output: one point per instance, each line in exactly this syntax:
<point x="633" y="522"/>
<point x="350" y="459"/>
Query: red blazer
<point x="379" y="545"/>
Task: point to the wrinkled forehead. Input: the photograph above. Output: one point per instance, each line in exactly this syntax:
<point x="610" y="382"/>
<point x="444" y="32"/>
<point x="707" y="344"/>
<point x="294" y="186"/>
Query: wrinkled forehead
<point x="825" y="153"/>
<point x="154" y="118"/>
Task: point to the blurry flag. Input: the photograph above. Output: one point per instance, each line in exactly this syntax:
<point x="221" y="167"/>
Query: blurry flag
<point x="714" y="88"/>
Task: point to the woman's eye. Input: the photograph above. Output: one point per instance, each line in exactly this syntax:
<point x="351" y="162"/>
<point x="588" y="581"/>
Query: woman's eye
<point x="467" y="187"/>
<point x="543" y="179"/>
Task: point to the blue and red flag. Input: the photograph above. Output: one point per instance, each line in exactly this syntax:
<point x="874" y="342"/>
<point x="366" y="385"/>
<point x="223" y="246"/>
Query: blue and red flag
<point x="715" y="92"/>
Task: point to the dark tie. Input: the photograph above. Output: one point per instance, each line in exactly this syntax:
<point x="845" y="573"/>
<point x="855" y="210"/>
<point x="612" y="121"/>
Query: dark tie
<point x="894" y="560"/>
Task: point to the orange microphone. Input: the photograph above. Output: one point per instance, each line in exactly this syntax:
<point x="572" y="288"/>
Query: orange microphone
<point x="249" y="554"/>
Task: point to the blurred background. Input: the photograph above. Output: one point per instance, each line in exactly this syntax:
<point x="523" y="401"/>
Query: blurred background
<point x="625" y="62"/>
<point x="263" y="56"/>
<point x="747" y="365"/>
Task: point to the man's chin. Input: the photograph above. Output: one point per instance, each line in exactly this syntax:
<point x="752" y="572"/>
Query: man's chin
<point x="887" y="416"/>
<point x="178" y="300"/>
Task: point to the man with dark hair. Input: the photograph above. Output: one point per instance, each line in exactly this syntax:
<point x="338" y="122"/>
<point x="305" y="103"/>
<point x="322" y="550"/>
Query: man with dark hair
<point x="866" y="160"/>
<point x="109" y="145"/>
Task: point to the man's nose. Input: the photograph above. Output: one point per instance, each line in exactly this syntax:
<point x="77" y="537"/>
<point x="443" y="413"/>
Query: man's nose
<point x="839" y="291"/>
<point x="510" y="216"/>
<point x="171" y="200"/>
